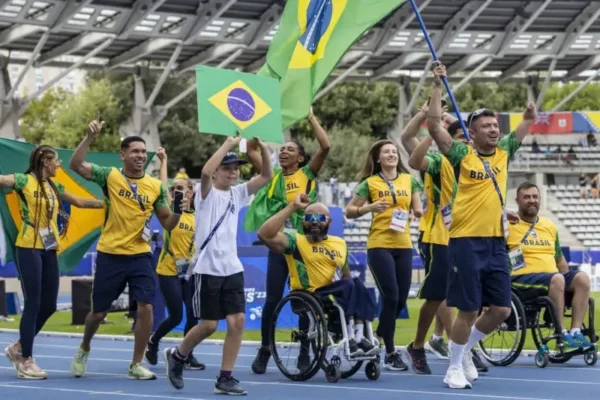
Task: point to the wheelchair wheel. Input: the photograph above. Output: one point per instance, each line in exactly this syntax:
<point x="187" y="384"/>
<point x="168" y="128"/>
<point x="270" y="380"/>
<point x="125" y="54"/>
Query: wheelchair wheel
<point x="542" y="358"/>
<point x="333" y="373"/>
<point x="544" y="326"/>
<point x="373" y="370"/>
<point x="347" y="368"/>
<point x="511" y="333"/>
<point x="292" y="345"/>
<point x="591" y="357"/>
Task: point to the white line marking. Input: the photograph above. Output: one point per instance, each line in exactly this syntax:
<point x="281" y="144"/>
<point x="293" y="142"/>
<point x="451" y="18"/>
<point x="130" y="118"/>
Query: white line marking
<point x="96" y="392"/>
<point x="311" y="386"/>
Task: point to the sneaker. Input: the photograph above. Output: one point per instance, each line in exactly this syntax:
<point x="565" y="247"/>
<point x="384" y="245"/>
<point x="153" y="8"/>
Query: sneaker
<point x="303" y="362"/>
<point x="582" y="341"/>
<point x="192" y="364"/>
<point x="13" y="354"/>
<point x="354" y="349"/>
<point x="455" y="378"/>
<point x="28" y="369"/>
<point x="229" y="385"/>
<point x="393" y="362"/>
<point x="438" y="347"/>
<point x="569" y="343"/>
<point x="174" y="369"/>
<point x="151" y="354"/>
<point x="468" y="367"/>
<point x="141" y="373"/>
<point x="478" y="362"/>
<point x="259" y="365"/>
<point x="78" y="366"/>
<point x="418" y="360"/>
<point x="367" y="347"/>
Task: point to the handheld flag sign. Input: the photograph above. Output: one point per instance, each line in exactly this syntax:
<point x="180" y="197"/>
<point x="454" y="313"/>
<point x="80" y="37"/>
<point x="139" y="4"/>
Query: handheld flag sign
<point x="230" y="101"/>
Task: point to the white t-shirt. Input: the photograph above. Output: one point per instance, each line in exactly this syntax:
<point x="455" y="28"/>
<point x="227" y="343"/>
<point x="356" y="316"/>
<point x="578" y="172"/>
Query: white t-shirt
<point x="219" y="257"/>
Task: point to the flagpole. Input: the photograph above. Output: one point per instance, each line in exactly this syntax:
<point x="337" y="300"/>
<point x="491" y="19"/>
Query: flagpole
<point x="444" y="79"/>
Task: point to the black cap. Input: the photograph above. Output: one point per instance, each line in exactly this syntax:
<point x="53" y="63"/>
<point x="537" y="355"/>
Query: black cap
<point x="232" y="158"/>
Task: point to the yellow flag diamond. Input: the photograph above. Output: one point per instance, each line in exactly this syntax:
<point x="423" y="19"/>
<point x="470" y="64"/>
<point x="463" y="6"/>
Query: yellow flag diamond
<point x="240" y="104"/>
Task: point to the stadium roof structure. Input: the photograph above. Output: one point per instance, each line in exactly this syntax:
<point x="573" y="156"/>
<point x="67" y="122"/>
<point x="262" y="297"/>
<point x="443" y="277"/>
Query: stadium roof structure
<point x="477" y="39"/>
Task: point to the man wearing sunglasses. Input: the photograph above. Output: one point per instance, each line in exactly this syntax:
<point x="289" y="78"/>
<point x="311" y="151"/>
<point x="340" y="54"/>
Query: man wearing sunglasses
<point x="316" y="262"/>
<point x="479" y="226"/>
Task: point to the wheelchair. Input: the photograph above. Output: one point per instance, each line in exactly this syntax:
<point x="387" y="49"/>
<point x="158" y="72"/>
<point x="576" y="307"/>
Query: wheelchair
<point x="536" y="313"/>
<point x="317" y="325"/>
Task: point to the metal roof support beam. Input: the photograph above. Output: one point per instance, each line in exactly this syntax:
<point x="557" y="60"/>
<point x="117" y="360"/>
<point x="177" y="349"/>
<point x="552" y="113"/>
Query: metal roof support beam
<point x="9" y="119"/>
<point x="63" y="11"/>
<point x="466" y="63"/>
<point x="18" y="31"/>
<point x="163" y="77"/>
<point x="268" y="20"/>
<point x="256" y="65"/>
<point x="64" y="73"/>
<point x="140" y="10"/>
<point x="521" y="23"/>
<point x="540" y="98"/>
<point x="522" y="65"/>
<point x="417" y="92"/>
<point x="212" y="53"/>
<point x="32" y="57"/>
<point x="588" y="63"/>
<point x="207" y="12"/>
<point x="471" y="74"/>
<point x="459" y="22"/>
<point x="139" y="51"/>
<point x="342" y="76"/>
<point x="579" y="26"/>
<point x="576" y="91"/>
<point x="74" y="45"/>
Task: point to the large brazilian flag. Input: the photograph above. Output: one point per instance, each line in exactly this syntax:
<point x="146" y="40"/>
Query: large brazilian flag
<point x="313" y="36"/>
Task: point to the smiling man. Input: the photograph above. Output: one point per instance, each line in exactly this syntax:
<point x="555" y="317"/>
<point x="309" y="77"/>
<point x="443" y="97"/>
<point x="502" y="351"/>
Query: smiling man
<point x="124" y="252"/>
<point x="537" y="262"/>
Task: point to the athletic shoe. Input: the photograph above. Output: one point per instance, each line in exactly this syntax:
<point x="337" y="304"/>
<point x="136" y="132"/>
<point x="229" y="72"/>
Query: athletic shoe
<point x="368" y="348"/>
<point x="455" y="378"/>
<point x="141" y="373"/>
<point x="582" y="341"/>
<point x="28" y="369"/>
<point x="78" y="366"/>
<point x="393" y="362"/>
<point x="259" y="365"/>
<point x="174" y="369"/>
<point x="418" y="360"/>
<point x="303" y="361"/>
<point x="193" y="364"/>
<point x="468" y="367"/>
<point x="151" y="354"/>
<point x="229" y="385"/>
<point x="13" y="354"/>
<point x="570" y="343"/>
<point x="478" y="362"/>
<point x="438" y="347"/>
<point x="354" y="349"/>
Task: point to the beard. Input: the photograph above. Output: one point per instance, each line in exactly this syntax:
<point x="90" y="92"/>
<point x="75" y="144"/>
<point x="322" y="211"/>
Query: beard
<point x="316" y="234"/>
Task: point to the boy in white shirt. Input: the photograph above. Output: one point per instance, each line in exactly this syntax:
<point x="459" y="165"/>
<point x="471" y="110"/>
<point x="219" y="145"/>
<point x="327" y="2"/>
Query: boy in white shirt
<point x="218" y="274"/>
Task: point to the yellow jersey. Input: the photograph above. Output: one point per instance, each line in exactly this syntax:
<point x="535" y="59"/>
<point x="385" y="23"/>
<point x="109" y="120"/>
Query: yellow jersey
<point x="477" y="209"/>
<point x="314" y="265"/>
<point x="178" y="243"/>
<point x="375" y="188"/>
<point x="540" y="248"/>
<point x="301" y="181"/>
<point x="439" y="185"/>
<point x="126" y="213"/>
<point x="28" y="191"/>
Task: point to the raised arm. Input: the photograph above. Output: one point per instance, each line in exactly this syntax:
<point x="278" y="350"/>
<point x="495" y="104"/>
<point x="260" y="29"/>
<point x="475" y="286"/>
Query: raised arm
<point x="270" y="233"/>
<point x="213" y="163"/>
<point x="434" y="116"/>
<point x="266" y="170"/>
<point x="317" y="161"/>
<point x="81" y="202"/>
<point x="415" y="204"/>
<point x="77" y="162"/>
<point x="529" y="117"/>
<point x="417" y="159"/>
<point x="254" y="156"/>
<point x="163" y="172"/>
<point x="167" y="218"/>
<point x="7" y="181"/>
<point x="409" y="134"/>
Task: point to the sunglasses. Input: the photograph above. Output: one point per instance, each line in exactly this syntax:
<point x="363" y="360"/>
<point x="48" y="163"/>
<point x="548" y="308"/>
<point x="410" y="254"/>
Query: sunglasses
<point x="476" y="114"/>
<point x="315" y="218"/>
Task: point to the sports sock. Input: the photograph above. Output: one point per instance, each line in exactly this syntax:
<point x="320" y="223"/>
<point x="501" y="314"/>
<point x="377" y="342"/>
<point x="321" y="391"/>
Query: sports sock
<point x="225" y="374"/>
<point x="359" y="329"/>
<point x="474" y="338"/>
<point x="456" y="354"/>
<point x="178" y="356"/>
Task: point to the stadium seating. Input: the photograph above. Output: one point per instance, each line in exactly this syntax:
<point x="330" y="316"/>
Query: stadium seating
<point x="584" y="156"/>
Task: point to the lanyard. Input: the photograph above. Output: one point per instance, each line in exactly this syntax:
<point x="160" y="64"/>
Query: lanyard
<point x="219" y="222"/>
<point x="488" y="170"/>
<point x="133" y="188"/>
<point x="530" y="230"/>
<point x="391" y="186"/>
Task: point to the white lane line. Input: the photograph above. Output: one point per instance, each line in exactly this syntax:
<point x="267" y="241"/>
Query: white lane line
<point x="313" y="386"/>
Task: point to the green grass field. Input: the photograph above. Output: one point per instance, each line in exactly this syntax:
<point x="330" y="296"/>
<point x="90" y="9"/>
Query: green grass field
<point x="117" y="324"/>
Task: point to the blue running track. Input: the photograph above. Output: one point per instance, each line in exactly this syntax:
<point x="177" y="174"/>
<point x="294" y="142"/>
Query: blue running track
<point x="106" y="378"/>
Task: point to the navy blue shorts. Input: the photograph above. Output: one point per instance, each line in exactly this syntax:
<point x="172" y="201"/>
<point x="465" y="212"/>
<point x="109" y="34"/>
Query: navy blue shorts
<point x="436" y="259"/>
<point x="480" y="274"/>
<point x="115" y="271"/>
<point x="541" y="281"/>
<point x="352" y="296"/>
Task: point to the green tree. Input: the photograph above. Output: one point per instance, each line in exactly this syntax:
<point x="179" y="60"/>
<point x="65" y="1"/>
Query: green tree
<point x="588" y="99"/>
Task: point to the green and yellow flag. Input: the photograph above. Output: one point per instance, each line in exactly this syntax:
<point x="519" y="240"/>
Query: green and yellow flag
<point x="84" y="224"/>
<point x="313" y="36"/>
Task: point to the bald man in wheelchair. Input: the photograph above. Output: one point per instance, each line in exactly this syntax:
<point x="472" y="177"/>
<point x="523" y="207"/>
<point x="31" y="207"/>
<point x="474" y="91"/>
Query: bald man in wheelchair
<point x="318" y="263"/>
<point x="538" y="263"/>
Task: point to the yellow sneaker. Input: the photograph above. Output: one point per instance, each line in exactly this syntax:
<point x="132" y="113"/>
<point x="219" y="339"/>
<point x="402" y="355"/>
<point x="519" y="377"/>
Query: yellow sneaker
<point x="78" y="365"/>
<point x="138" y="371"/>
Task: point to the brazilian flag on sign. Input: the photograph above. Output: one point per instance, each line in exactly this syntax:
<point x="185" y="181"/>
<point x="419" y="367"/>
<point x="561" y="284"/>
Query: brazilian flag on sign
<point x="313" y="36"/>
<point x="230" y="101"/>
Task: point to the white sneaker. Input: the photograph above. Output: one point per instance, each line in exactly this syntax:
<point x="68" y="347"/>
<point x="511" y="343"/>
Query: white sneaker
<point x="470" y="371"/>
<point x="455" y="378"/>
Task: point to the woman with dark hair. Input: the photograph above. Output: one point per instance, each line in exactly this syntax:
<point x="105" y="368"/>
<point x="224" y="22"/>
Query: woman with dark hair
<point x="392" y="193"/>
<point x="40" y="200"/>
<point x="297" y="174"/>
